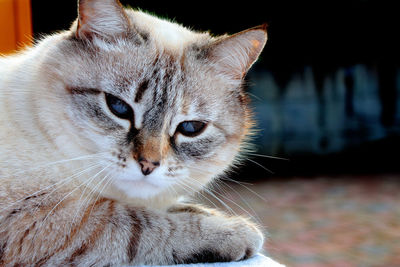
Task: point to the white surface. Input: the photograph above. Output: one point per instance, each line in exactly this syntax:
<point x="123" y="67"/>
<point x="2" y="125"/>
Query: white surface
<point x="258" y="260"/>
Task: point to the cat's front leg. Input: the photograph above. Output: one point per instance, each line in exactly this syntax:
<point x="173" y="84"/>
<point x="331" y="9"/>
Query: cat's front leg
<point x="192" y="208"/>
<point x="189" y="234"/>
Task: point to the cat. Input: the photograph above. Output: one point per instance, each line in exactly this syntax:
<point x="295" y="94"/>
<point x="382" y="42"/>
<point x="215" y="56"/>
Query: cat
<point x="105" y="126"/>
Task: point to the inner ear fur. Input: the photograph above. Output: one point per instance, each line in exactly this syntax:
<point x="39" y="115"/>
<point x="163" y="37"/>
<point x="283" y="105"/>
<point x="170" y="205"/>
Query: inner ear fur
<point x="234" y="55"/>
<point x="104" y="18"/>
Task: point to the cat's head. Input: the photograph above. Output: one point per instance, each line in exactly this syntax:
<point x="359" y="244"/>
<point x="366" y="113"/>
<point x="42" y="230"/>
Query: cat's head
<point x="164" y="105"/>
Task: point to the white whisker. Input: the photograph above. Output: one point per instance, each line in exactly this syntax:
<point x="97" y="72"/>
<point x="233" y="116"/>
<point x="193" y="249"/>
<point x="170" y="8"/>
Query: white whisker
<point x="62" y="182"/>
<point x="211" y="193"/>
<point x="90" y="156"/>
<point x="70" y="178"/>
<point x="101" y="191"/>
<point x="246" y="187"/>
<point x="60" y="201"/>
<point x="183" y="185"/>
<point x="266" y="156"/>
<point x="261" y="166"/>
<point x="86" y="196"/>
<point x="72" y="191"/>
<point x="253" y="213"/>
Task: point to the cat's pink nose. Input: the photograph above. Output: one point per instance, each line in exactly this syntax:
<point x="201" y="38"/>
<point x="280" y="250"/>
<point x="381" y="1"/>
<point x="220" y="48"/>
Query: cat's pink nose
<point x="147" y="166"/>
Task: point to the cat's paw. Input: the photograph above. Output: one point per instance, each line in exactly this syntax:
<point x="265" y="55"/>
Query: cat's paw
<point x="239" y="239"/>
<point x="227" y="239"/>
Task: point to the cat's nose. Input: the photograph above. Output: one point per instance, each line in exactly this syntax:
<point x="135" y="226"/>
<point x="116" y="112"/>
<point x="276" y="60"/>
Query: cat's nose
<point x="147" y="165"/>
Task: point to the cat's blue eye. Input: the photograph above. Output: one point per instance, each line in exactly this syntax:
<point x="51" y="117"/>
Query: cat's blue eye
<point x="191" y="128"/>
<point x="118" y="107"/>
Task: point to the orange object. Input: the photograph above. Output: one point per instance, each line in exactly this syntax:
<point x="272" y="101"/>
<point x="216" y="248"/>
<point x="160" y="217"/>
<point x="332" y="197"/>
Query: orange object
<point x="15" y="25"/>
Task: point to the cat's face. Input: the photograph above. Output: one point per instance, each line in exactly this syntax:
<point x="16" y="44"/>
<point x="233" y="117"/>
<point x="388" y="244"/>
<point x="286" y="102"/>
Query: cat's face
<point x="167" y="113"/>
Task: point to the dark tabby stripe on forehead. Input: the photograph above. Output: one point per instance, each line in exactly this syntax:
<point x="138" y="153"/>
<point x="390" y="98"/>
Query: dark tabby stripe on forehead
<point x="83" y="91"/>
<point x="141" y="89"/>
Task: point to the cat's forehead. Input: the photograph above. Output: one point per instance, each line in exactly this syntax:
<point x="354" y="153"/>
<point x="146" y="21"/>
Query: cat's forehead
<point x="128" y="68"/>
<point x="139" y="71"/>
<point x="147" y="76"/>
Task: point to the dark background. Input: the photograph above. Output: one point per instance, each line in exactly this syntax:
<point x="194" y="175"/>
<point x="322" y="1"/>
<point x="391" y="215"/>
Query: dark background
<point x="349" y="48"/>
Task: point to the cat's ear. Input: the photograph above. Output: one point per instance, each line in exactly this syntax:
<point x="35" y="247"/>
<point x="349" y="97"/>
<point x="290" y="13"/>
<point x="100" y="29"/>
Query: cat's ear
<point x="234" y="55"/>
<point x="105" y="18"/>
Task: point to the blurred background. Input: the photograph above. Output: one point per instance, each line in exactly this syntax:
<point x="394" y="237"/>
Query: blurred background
<point x="324" y="177"/>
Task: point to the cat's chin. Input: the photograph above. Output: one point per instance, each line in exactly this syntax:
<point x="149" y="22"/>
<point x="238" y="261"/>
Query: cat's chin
<point x="137" y="188"/>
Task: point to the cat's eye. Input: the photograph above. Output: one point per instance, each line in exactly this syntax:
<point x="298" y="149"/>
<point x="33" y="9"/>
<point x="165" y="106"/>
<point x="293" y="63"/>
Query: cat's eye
<point x="191" y="128"/>
<point x="119" y="107"/>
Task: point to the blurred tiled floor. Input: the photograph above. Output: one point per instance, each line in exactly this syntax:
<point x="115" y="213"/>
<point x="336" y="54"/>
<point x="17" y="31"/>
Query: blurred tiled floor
<point x="325" y="221"/>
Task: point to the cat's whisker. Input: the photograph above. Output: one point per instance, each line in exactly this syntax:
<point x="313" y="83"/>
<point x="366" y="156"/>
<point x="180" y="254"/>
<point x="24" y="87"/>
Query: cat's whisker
<point x="243" y="184"/>
<point x="71" y="179"/>
<point x="62" y="182"/>
<point x="171" y="188"/>
<point x="80" y="158"/>
<point x="183" y="186"/>
<point x="84" y="191"/>
<point x="72" y="191"/>
<point x="215" y="183"/>
<point x="88" y="197"/>
<point x="260" y="165"/>
<point x="234" y="181"/>
<point x="94" y="189"/>
<point x="189" y="190"/>
<point x="174" y="181"/>
<point x="266" y="156"/>
<point x="252" y="214"/>
<point x="211" y="193"/>
<point x="58" y="185"/>
<point x="110" y="180"/>
<point x="65" y="197"/>
<point x="255" y="96"/>
<point x="223" y="195"/>
<point x="225" y="177"/>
